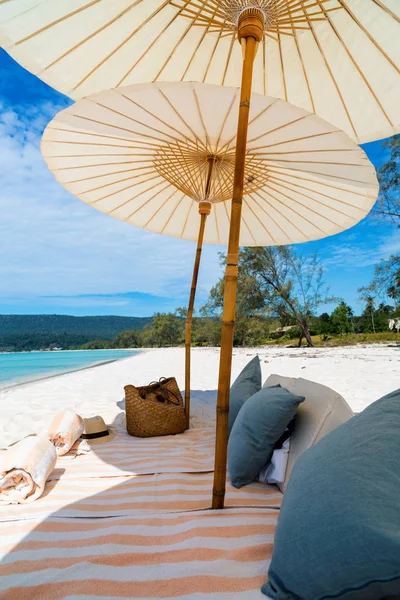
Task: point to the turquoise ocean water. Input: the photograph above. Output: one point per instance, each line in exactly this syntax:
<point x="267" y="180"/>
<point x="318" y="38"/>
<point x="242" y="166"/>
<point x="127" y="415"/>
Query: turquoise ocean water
<point x="20" y="367"/>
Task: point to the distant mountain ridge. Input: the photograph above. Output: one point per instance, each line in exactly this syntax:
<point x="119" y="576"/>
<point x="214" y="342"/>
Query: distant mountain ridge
<point x="20" y="331"/>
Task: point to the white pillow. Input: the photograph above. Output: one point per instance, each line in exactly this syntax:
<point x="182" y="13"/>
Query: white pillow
<point x="322" y="411"/>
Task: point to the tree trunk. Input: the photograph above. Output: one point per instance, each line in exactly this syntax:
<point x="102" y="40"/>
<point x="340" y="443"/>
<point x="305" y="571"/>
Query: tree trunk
<point x="373" y="322"/>
<point x="300" y="340"/>
<point x="307" y="335"/>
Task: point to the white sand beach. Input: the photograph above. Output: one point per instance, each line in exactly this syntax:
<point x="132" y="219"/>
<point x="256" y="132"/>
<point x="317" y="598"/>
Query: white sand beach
<point x="360" y="374"/>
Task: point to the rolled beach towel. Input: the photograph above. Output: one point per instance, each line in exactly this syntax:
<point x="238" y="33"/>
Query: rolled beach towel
<point x="24" y="469"/>
<point x="65" y="428"/>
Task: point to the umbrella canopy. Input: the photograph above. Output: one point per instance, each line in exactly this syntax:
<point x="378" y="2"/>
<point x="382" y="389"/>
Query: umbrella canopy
<point x="145" y="154"/>
<point x="338" y="58"/>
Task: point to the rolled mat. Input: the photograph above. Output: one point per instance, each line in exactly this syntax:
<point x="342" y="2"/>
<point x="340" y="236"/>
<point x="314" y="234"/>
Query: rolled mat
<point x="24" y="469"/>
<point x="65" y="428"/>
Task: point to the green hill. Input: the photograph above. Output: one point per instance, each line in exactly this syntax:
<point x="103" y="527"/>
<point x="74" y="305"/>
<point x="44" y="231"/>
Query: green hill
<point x="30" y="332"/>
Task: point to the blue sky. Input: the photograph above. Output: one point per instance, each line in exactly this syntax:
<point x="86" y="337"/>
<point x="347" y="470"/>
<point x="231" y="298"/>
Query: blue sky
<point x="60" y="256"/>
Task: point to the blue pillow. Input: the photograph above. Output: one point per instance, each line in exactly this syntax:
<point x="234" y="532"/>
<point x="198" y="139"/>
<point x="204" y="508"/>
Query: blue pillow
<point x="338" y="533"/>
<point x="259" y="425"/>
<point x="244" y="386"/>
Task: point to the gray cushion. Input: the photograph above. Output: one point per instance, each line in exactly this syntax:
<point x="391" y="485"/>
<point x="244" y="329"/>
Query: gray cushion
<point x="245" y="385"/>
<point x="323" y="411"/>
<point x="259" y="425"/>
<point x="338" y="533"/>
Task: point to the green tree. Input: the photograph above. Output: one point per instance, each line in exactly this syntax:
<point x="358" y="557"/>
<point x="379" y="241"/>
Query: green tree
<point x="386" y="280"/>
<point x="388" y="205"/>
<point x="250" y="301"/>
<point x="128" y="339"/>
<point x="291" y="285"/>
<point x="341" y="318"/>
<point x="168" y="329"/>
<point x="324" y="325"/>
<point x="366" y="295"/>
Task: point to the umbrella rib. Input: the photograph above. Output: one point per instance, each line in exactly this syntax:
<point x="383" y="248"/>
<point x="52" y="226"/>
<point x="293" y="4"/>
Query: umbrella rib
<point x="304" y="69"/>
<point x="188" y="28"/>
<point x="130" y="36"/>
<point x="321" y="174"/>
<point x="269" y="215"/>
<point x="195" y="50"/>
<point x="201" y="119"/>
<point x="56" y="22"/>
<point x="108" y="175"/>
<point x="144" y="203"/>
<point x="297" y="201"/>
<point x="302" y="187"/>
<point x="187" y="218"/>
<point x="96" y="156"/>
<point x="369" y="36"/>
<point x="216" y="225"/>
<point x="92" y="35"/>
<point x="172" y="213"/>
<point x="297" y="213"/>
<point x="251" y="122"/>
<point x="225" y="120"/>
<point x="212" y="54"/>
<point x="317" y="162"/>
<point x="126" y="162"/>
<point x="317" y="182"/>
<point x="387" y="10"/>
<point x="279" y="128"/>
<point x="282" y="66"/>
<point x="245" y="201"/>
<point x="228" y="59"/>
<point x="121" y="114"/>
<point x="300" y="139"/>
<point x="118" y="191"/>
<point x="160" y="207"/>
<point x="285" y="153"/>
<point x="100" y="135"/>
<point x="330" y="72"/>
<point x="152" y="137"/>
<point x="249" y="230"/>
<point x="360" y="72"/>
<point x="319" y="202"/>
<point x="226" y="212"/>
<point x="264" y="62"/>
<point x="198" y="139"/>
<point x="154" y="116"/>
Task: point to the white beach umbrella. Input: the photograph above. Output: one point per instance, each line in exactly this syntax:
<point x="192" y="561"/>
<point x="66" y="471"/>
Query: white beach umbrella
<point x="156" y="155"/>
<point x="338" y="58"/>
<point x="143" y="154"/>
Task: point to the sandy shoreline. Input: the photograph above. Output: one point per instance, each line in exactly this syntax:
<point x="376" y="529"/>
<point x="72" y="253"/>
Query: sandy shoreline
<point x="360" y="374"/>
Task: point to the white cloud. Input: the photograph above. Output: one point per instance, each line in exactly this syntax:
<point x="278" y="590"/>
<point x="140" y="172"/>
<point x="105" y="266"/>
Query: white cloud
<point x="53" y="244"/>
<point x="362" y="252"/>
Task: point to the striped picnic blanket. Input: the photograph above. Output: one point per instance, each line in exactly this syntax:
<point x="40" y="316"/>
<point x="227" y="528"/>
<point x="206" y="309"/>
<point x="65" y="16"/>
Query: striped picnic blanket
<point x="132" y="519"/>
<point x="208" y="554"/>
<point x="188" y="452"/>
<point x="123" y="496"/>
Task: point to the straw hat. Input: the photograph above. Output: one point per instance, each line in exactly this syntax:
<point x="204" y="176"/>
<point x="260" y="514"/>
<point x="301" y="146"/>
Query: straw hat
<point x="96" y="431"/>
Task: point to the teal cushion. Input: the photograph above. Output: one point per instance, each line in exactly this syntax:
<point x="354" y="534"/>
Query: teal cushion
<point x="260" y="423"/>
<point x="338" y="533"/>
<point x="244" y="386"/>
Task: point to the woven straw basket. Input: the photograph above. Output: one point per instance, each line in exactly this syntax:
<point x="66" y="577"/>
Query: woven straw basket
<point x="155" y="409"/>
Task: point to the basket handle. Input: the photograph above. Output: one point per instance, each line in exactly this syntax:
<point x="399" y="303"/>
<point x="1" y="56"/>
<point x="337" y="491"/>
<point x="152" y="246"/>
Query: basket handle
<point x="165" y="392"/>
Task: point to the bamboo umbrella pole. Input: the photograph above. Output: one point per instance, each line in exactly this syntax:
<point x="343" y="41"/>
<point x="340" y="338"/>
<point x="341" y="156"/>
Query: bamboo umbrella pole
<point x="204" y="211"/>
<point x="250" y="32"/>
